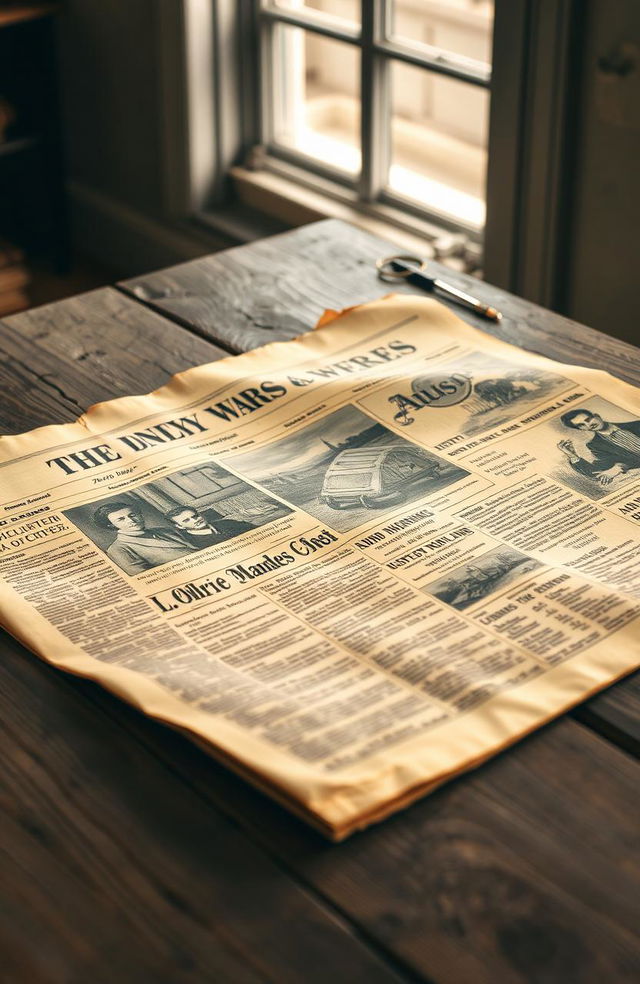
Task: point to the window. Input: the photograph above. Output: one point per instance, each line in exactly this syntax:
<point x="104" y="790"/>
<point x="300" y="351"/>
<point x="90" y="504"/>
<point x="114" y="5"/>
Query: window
<point x="387" y="97"/>
<point x="425" y="114"/>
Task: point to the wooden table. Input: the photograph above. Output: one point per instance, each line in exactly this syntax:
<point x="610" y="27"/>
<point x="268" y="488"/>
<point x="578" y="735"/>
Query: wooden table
<point x="130" y="856"/>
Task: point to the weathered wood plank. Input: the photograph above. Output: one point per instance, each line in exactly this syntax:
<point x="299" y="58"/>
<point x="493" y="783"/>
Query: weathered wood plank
<point x="115" y="870"/>
<point x="524" y="871"/>
<point x="277" y="288"/>
<point x="58" y="359"/>
<point x="615" y="713"/>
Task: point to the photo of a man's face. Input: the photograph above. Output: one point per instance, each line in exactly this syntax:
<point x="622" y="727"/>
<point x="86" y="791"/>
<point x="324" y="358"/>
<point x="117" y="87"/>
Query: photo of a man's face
<point x="149" y="526"/>
<point x="588" y="421"/>
<point x="189" y="519"/>
<point x="128" y="519"/>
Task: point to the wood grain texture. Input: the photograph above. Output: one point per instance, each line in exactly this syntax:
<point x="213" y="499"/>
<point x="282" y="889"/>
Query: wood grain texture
<point x="59" y="359"/>
<point x="524" y="871"/>
<point x="133" y="856"/>
<point x="114" y="869"/>
<point x="615" y="714"/>
<point x="278" y="288"/>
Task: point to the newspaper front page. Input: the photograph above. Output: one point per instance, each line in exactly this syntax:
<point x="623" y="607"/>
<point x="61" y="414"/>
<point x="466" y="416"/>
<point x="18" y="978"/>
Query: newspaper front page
<point x="352" y="565"/>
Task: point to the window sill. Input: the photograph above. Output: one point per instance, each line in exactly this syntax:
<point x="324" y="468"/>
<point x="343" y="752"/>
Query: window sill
<point x="291" y="200"/>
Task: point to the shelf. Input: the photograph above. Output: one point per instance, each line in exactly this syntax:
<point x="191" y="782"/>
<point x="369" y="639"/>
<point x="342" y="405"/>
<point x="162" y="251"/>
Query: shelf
<point x="12" y="147"/>
<point x="17" y="13"/>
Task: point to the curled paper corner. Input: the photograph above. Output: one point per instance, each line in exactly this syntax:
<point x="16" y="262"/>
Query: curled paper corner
<point x="330" y="315"/>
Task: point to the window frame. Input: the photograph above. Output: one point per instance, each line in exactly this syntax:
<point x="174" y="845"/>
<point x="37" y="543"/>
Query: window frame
<point x="533" y="136"/>
<point x="535" y="92"/>
<point x="378" y="51"/>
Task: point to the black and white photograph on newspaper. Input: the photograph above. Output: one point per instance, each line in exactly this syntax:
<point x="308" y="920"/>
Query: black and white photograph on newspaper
<point x="594" y="447"/>
<point x="466" y="396"/>
<point x="176" y="515"/>
<point x="344" y="468"/>
<point x="484" y="575"/>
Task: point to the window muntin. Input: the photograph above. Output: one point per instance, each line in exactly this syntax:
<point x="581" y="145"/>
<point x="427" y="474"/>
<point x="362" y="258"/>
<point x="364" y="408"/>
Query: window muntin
<point x="414" y="131"/>
<point x="342" y="12"/>
<point x="459" y="27"/>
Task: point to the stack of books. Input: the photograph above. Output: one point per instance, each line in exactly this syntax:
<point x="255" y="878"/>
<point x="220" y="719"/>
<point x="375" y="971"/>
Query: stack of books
<point x="14" y="278"/>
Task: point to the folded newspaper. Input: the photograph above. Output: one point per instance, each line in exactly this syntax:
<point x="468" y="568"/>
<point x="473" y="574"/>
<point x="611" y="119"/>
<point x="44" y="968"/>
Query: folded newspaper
<point x="351" y="565"/>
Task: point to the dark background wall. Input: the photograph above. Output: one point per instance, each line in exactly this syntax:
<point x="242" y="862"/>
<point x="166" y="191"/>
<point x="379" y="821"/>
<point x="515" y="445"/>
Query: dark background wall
<point x="604" y="270"/>
<point x="110" y="70"/>
<point x="115" y="93"/>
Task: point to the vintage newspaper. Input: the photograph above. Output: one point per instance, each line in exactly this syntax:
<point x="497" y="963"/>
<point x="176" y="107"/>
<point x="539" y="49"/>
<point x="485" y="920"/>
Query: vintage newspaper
<point x="351" y="565"/>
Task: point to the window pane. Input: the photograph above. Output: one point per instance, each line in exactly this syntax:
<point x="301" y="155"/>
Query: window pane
<point x="346" y="11"/>
<point x="317" y="97"/>
<point x="463" y="27"/>
<point x="439" y="143"/>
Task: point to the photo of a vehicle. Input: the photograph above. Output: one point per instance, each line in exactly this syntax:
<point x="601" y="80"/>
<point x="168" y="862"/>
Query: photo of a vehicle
<point x="375" y="476"/>
<point x="347" y="467"/>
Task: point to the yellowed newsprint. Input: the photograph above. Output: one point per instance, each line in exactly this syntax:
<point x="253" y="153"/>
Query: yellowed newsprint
<point x="351" y="566"/>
